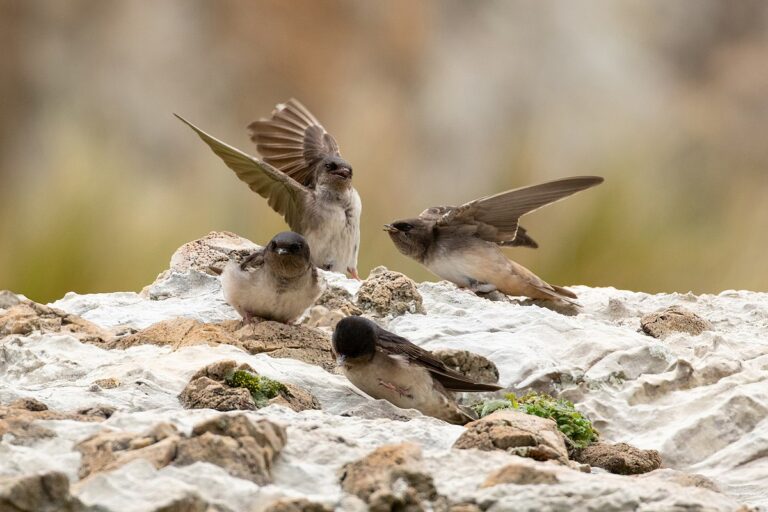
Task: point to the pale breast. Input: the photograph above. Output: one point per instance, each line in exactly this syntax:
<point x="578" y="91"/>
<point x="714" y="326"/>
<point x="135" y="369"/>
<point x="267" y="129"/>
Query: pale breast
<point x="476" y="262"/>
<point x="334" y="237"/>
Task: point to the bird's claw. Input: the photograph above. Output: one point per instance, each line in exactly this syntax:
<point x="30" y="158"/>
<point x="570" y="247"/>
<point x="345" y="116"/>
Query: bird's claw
<point x="353" y="272"/>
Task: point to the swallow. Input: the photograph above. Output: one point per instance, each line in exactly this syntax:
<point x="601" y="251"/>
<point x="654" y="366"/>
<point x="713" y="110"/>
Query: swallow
<point x="277" y="282"/>
<point x="304" y="179"/>
<point x="463" y="244"/>
<point x="387" y="366"/>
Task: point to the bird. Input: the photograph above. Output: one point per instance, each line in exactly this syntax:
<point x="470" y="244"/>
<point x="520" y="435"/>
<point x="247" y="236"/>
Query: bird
<point x="304" y="178"/>
<point x="277" y="282"/>
<point x="387" y="366"/>
<point x="463" y="244"/>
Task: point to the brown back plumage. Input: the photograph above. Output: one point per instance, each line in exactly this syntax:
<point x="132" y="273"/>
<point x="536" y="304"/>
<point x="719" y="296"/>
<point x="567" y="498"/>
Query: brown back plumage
<point x="293" y="141"/>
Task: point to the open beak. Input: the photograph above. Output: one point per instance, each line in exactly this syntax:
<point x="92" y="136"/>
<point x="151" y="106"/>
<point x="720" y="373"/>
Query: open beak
<point x="340" y="360"/>
<point x="390" y="228"/>
<point x="342" y="172"/>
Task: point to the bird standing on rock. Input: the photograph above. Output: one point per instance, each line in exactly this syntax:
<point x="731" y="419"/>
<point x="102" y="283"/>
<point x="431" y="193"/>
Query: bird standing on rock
<point x="304" y="179"/>
<point x="277" y="282"/>
<point x="385" y="365"/>
<point x="462" y="244"/>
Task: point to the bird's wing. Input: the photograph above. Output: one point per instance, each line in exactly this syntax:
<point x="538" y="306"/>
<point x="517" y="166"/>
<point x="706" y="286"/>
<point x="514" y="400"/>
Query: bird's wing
<point x="495" y="218"/>
<point x="395" y="345"/>
<point x="285" y="195"/>
<point x="293" y="141"/>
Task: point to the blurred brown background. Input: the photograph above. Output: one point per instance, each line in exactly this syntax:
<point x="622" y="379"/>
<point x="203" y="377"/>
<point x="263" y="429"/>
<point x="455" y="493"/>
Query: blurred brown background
<point x="434" y="102"/>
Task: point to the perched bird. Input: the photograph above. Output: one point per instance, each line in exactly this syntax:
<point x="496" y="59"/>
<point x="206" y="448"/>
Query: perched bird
<point x="304" y="179"/>
<point x="385" y="365"/>
<point x="277" y="282"/>
<point x="462" y="244"/>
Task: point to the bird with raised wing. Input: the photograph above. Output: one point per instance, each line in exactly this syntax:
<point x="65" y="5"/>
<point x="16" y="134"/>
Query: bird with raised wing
<point x="304" y="178"/>
<point x="463" y="244"/>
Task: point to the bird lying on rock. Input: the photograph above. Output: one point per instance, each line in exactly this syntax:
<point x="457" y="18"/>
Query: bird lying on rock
<point x="277" y="282"/>
<point x="387" y="366"/>
<point x="463" y="244"/>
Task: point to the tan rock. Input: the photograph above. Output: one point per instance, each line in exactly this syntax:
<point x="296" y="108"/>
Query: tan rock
<point x="179" y="332"/>
<point x="19" y="420"/>
<point x="517" y="433"/>
<point x="389" y="293"/>
<point x="619" y="458"/>
<point x="682" y="478"/>
<point x="28" y="317"/>
<point x="389" y="478"/>
<point x="336" y="298"/>
<point x="474" y="366"/>
<point x="296" y="505"/>
<point x="520" y="474"/>
<point x="673" y="319"/>
<point x="109" y="383"/>
<point x="40" y="492"/>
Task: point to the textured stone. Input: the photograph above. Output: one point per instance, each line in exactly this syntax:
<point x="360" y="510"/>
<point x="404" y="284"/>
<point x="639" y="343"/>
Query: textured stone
<point x="389" y="293"/>
<point x="673" y="319"/>
<point x="41" y="492"/>
<point x="19" y="420"/>
<point x="520" y="474"/>
<point x="28" y="317"/>
<point x="474" y="366"/>
<point x="619" y="458"/>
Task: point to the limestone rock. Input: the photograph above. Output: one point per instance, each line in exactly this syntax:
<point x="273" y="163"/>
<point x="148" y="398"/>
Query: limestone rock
<point x="682" y="478"/>
<point x="619" y="458"/>
<point x="210" y="253"/>
<point x="19" y="420"/>
<point x="673" y="319"/>
<point x="517" y="433"/>
<point x="243" y="447"/>
<point x="296" y="505"/>
<point x="389" y="293"/>
<point x="108" y="383"/>
<point x="41" y="492"/>
<point x="474" y="366"/>
<point x="520" y="474"/>
<point x="179" y="332"/>
<point x="389" y="478"/>
<point x="336" y="298"/>
<point x="8" y="299"/>
<point x="28" y="317"/>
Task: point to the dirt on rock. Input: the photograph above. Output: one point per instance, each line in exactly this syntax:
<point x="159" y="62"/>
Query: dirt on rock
<point x="27" y="317"/>
<point x="390" y="478"/>
<point x="673" y="319"/>
<point x="517" y="433"/>
<point x="520" y="474"/>
<point x="474" y="366"/>
<point x="243" y="447"/>
<point x="387" y="293"/>
<point x="619" y="458"/>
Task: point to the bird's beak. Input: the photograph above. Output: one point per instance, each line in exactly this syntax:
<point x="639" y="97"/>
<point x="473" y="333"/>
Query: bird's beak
<point x="390" y="228"/>
<point x="342" y="172"/>
<point x="340" y="360"/>
<point x="281" y="251"/>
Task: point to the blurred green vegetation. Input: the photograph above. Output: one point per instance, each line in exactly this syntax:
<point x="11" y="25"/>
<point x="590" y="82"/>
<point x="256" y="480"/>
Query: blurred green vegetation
<point x="433" y="103"/>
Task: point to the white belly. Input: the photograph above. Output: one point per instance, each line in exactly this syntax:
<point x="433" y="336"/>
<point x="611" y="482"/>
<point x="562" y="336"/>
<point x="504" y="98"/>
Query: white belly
<point x="335" y="242"/>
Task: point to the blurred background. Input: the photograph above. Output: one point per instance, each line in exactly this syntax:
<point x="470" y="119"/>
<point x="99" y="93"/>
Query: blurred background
<point x="433" y="102"/>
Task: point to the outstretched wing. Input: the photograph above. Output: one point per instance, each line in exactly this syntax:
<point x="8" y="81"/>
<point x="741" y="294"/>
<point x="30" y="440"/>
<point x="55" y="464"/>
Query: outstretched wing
<point x="495" y="218"/>
<point x="521" y="239"/>
<point x="293" y="141"/>
<point x="285" y="195"/>
<point x="451" y="380"/>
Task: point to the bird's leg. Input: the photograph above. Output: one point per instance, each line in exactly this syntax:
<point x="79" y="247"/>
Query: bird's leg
<point x="353" y="273"/>
<point x="397" y="389"/>
<point x="480" y="287"/>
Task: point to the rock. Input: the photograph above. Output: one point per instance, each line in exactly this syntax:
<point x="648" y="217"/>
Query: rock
<point x="684" y="479"/>
<point x="322" y="317"/>
<point x="296" y="505"/>
<point x="389" y="478"/>
<point x="243" y="447"/>
<point x="474" y="366"/>
<point x="8" y="299"/>
<point x="210" y="253"/>
<point x="28" y="317"/>
<point x="41" y="492"/>
<point x="101" y="412"/>
<point x="19" y="420"/>
<point x="279" y="340"/>
<point x="517" y="433"/>
<point x="378" y="409"/>
<point x="208" y="389"/>
<point x="619" y="458"/>
<point x="520" y="474"/>
<point x="389" y="293"/>
<point x="673" y="319"/>
<point x="336" y="298"/>
<point x="109" y="383"/>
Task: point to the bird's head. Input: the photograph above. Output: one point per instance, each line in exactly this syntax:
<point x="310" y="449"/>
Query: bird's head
<point x="412" y="237"/>
<point x="354" y="337"/>
<point x="334" y="172"/>
<point x="288" y="254"/>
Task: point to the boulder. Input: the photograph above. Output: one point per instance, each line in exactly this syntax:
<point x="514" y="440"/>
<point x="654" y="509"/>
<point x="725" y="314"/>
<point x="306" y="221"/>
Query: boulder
<point x="40" y="492"/>
<point x="474" y="366"/>
<point x="28" y="317"/>
<point x="387" y="293"/>
<point x="520" y="474"/>
<point x="619" y="458"/>
<point x="673" y="319"/>
<point x="19" y="420"/>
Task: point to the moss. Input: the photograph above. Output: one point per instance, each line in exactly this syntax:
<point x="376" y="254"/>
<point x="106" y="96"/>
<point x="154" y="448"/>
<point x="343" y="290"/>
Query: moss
<point x="262" y="388"/>
<point x="576" y="427"/>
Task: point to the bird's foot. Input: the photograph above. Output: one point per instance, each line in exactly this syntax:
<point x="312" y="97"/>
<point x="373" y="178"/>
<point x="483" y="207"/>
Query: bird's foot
<point x="353" y="272"/>
<point x="403" y="392"/>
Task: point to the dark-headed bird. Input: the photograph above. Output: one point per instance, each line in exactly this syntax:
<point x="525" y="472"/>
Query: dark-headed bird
<point x="463" y="244"/>
<point x="387" y="366"/>
<point x="304" y="179"/>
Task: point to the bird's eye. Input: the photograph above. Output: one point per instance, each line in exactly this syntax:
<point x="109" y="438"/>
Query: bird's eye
<point x="330" y="166"/>
<point x="403" y="226"/>
<point x="295" y="247"/>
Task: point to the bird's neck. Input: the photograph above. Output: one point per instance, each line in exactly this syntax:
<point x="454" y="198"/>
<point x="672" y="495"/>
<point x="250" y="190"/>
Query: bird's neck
<point x="335" y="193"/>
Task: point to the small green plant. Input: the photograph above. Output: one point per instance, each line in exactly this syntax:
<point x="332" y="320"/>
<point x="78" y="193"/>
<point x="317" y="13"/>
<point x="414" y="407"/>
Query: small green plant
<point x="575" y="426"/>
<point x="262" y="388"/>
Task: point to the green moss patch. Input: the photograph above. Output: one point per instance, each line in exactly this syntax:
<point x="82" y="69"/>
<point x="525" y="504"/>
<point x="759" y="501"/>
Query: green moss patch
<point x="576" y="427"/>
<point x="262" y="388"/>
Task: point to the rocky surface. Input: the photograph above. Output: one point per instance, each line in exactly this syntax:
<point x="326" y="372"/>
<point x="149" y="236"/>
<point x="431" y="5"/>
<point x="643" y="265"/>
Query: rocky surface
<point x="388" y="293"/>
<point x="660" y="324"/>
<point x="619" y="458"/>
<point x="700" y="400"/>
<point x="474" y="366"/>
<point x="43" y="492"/>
